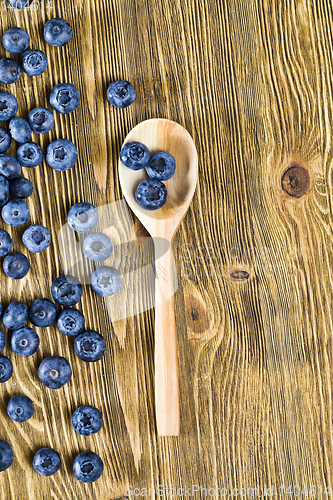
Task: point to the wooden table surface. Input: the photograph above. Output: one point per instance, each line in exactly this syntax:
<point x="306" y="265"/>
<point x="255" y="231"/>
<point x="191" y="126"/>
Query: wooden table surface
<point x="251" y="80"/>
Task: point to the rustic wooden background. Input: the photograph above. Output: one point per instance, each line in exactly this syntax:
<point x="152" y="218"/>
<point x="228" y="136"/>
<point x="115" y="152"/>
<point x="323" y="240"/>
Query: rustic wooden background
<point x="251" y="80"/>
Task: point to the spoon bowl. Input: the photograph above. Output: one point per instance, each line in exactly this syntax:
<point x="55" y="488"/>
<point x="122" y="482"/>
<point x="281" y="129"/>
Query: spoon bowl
<point x="164" y="135"/>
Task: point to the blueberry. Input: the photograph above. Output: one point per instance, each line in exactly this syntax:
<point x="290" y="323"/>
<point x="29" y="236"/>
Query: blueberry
<point x="89" y="346"/>
<point x="82" y="217"/>
<point x="4" y="190"/>
<point x="6" y="371"/>
<point x="151" y="194"/>
<point x="88" y="467"/>
<point x="6" y="455"/>
<point x="41" y="120"/>
<point x="97" y="247"/>
<point x="29" y="155"/>
<point x="65" y="98"/>
<point x="21" y="188"/>
<point x="71" y="322"/>
<point x="24" y="341"/>
<point x="16" y="265"/>
<point x="15" y="212"/>
<point x="8" y="106"/>
<point x="9" y="166"/>
<point x="20" y="408"/>
<point x="16" y="40"/>
<point x="54" y="372"/>
<point x="43" y="312"/>
<point x="57" y="32"/>
<point x="61" y="154"/>
<point x="10" y="71"/>
<point x="5" y="140"/>
<point x="15" y="315"/>
<point x="87" y="420"/>
<point x="105" y="281"/>
<point x="19" y="129"/>
<point x="6" y="243"/>
<point x="134" y="155"/>
<point x="161" y="166"/>
<point x="46" y="462"/>
<point x="121" y="94"/>
<point x="36" y="238"/>
<point x="66" y="290"/>
<point x="34" y="62"/>
<point x="2" y="340"/>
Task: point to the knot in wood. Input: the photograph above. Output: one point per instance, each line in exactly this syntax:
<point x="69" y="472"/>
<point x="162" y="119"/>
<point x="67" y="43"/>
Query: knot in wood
<point x="296" y="181"/>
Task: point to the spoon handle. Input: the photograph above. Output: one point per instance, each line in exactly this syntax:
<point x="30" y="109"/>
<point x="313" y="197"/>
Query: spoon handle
<point x="166" y="367"/>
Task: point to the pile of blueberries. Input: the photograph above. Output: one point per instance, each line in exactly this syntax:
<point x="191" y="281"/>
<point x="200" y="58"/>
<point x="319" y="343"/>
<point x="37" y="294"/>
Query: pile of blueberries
<point x="60" y="155"/>
<point x="151" y="193"/>
<point x="54" y="371"/>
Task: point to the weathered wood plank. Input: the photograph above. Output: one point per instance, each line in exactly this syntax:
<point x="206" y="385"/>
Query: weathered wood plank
<point x="252" y="83"/>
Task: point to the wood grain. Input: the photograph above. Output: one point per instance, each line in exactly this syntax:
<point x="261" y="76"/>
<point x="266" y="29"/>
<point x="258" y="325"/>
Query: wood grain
<point x="251" y="80"/>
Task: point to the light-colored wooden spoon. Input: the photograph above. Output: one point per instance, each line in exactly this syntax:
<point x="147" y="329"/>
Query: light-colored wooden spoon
<point x="164" y="135"/>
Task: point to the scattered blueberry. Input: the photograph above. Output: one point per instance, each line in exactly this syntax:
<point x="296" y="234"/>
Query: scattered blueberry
<point x="151" y="194"/>
<point x="66" y="290"/>
<point x="20" y="408"/>
<point x="57" y="32"/>
<point x="4" y="190"/>
<point x="134" y="155"/>
<point x="10" y="71"/>
<point x="61" y="154"/>
<point x="24" y="341"/>
<point x="41" y="120"/>
<point x="2" y="340"/>
<point x="15" y="212"/>
<point x="19" y="129"/>
<point x="16" y="40"/>
<point x="105" y="281"/>
<point x="88" y="467"/>
<point x="87" y="420"/>
<point x="15" y="315"/>
<point x="5" y="140"/>
<point x="6" y="455"/>
<point x="34" y="62"/>
<point x="46" y="462"/>
<point x="43" y="312"/>
<point x="54" y="372"/>
<point x="71" y="322"/>
<point x="161" y="166"/>
<point x="29" y="155"/>
<point x="6" y="243"/>
<point x="36" y="238"/>
<point x="97" y="247"/>
<point x="16" y="265"/>
<point x="9" y="166"/>
<point x="6" y="371"/>
<point x="89" y="346"/>
<point x="121" y="94"/>
<point x="8" y="106"/>
<point x="65" y="98"/>
<point x="82" y="217"/>
<point x="20" y="187"/>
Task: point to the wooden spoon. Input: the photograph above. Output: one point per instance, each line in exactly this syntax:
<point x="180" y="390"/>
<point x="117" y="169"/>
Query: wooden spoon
<point x="164" y="135"/>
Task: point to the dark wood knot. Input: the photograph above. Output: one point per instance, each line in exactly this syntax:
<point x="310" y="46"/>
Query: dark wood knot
<point x="196" y="315"/>
<point x="239" y="274"/>
<point x="296" y="181"/>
